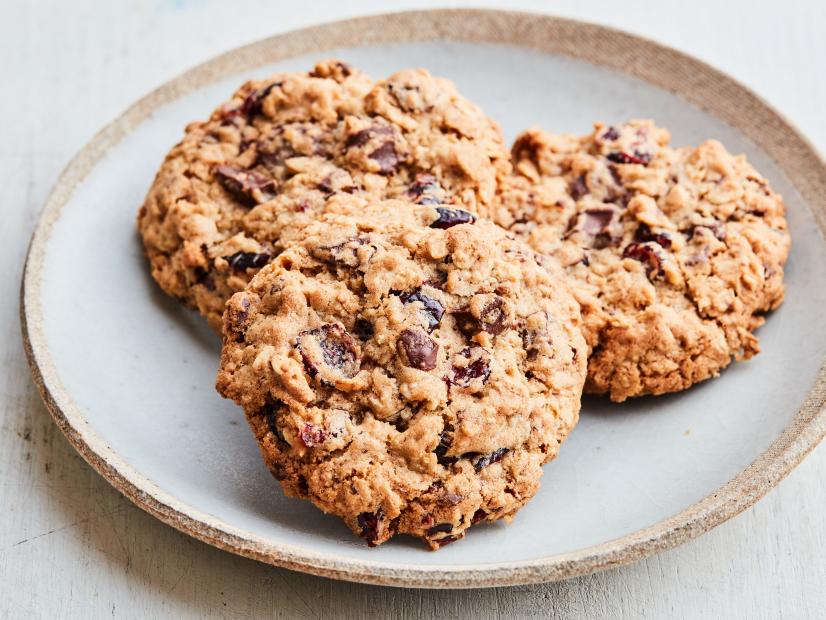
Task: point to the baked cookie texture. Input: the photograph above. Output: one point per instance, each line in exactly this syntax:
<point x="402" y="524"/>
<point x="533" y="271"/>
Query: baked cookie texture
<point x="674" y="253"/>
<point x="281" y="147"/>
<point x="407" y="368"/>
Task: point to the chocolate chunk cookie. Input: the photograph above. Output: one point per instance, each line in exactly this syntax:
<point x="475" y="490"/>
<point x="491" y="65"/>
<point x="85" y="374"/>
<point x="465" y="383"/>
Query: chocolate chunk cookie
<point x="675" y="253"/>
<point x="407" y="368"/>
<point x="282" y="146"/>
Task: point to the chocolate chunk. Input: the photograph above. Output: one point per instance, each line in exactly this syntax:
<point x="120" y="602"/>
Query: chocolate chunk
<point x="425" y="190"/>
<point x="204" y="277"/>
<point x="452" y="217"/>
<point x="241" y="261"/>
<point x="452" y="498"/>
<point x="447" y="540"/>
<point x="270" y="414"/>
<point x="432" y="310"/>
<point x="493" y="318"/>
<point x="644" y="233"/>
<point x="330" y="352"/>
<point x="717" y="228"/>
<point x="445" y="440"/>
<point x="360" y="138"/>
<point x="440" y="528"/>
<point x="596" y="221"/>
<point x="247" y="186"/>
<point x="252" y="104"/>
<point x="578" y="188"/>
<point x="364" y="329"/>
<point x="646" y="255"/>
<point x="369" y="522"/>
<point x="479" y="515"/>
<point x="466" y="322"/>
<point x="418" y="349"/>
<point x="345" y="253"/>
<point x="386" y="157"/>
<point x="489" y="459"/>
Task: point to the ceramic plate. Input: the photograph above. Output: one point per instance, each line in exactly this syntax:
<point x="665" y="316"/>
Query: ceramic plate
<point x="128" y="374"/>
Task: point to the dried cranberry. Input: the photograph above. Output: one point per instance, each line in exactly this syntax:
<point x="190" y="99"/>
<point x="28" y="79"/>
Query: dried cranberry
<point x="247" y="260"/>
<point x="445" y="439"/>
<point x="644" y="233"/>
<point x="440" y="528"/>
<point x="621" y="157"/>
<point x="433" y="311"/>
<point x="419" y="350"/>
<point x="329" y="351"/>
<point x="452" y="217"/>
<point x="242" y="184"/>
<point x="578" y="188"/>
<point x="369" y="522"/>
<point x="312" y="435"/>
<point x="364" y="329"/>
<point x="610" y="134"/>
<point x="386" y="157"/>
<point x="646" y="255"/>
<point x="477" y="367"/>
<point x="425" y="190"/>
<point x="489" y="459"/>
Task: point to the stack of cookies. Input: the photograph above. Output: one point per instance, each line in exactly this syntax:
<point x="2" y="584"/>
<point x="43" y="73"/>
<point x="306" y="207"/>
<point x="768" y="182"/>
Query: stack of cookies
<point x="410" y="312"/>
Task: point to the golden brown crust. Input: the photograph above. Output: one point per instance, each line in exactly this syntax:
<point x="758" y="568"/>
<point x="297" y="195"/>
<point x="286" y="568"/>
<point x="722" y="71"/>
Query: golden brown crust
<point x="284" y="146"/>
<point x="404" y="370"/>
<point x="675" y="252"/>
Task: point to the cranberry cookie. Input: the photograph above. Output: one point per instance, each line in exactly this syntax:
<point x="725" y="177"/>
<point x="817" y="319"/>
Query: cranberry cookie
<point x="285" y="145"/>
<point x="407" y="368"/>
<point x="674" y="253"/>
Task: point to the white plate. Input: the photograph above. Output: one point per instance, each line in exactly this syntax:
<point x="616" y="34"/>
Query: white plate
<point x="128" y="374"/>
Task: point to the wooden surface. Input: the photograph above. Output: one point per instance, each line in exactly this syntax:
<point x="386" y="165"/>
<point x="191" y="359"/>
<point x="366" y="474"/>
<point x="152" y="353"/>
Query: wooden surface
<point x="71" y="546"/>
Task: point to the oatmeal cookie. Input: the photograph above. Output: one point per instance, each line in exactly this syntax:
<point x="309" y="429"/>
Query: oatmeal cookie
<point x="407" y="368"/>
<point x="282" y="146"/>
<point x="674" y="253"/>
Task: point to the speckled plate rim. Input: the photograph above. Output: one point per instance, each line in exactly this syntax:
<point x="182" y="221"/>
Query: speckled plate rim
<point x="656" y="64"/>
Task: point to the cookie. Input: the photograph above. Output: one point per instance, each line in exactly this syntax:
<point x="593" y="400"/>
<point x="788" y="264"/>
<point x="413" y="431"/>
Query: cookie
<point x="407" y="368"/>
<point x="281" y="147"/>
<point x="675" y="253"/>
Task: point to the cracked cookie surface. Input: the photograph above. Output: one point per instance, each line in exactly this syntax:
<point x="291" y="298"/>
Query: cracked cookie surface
<point x="674" y="253"/>
<point x="282" y="146"/>
<point x="407" y="368"/>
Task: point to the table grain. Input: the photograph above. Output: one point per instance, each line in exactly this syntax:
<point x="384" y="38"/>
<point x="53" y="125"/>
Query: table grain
<point x="72" y="547"/>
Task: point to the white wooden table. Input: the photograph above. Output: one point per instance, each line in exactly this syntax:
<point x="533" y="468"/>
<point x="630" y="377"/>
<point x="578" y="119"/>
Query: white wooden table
<point x="71" y="546"/>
